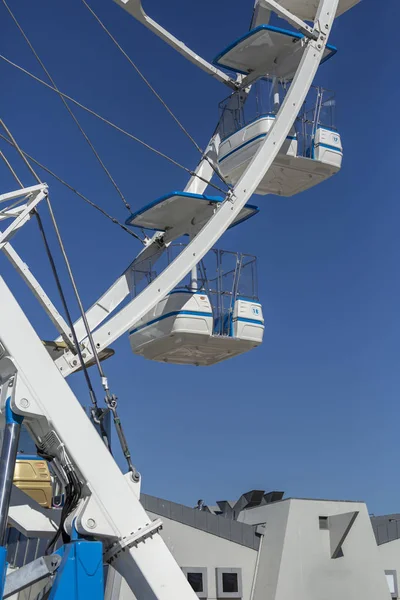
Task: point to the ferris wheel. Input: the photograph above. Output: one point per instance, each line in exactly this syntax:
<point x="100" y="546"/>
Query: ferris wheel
<point x="189" y="302"/>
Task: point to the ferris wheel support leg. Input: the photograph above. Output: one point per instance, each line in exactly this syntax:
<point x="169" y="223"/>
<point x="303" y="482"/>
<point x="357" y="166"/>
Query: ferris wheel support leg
<point x="110" y="510"/>
<point x="7" y="466"/>
<point x="235" y="200"/>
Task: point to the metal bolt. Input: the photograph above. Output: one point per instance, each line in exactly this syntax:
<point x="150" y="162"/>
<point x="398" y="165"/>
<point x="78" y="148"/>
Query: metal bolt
<point x="24" y="402"/>
<point x="319" y="46"/>
<point x="91" y="523"/>
<point x="75" y="362"/>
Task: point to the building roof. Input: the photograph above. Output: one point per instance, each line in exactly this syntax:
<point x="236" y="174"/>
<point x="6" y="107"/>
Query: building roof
<point x="220" y="520"/>
<point x="239" y="533"/>
<point x="386" y="528"/>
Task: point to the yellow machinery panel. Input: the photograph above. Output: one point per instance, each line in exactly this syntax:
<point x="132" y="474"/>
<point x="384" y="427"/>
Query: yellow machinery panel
<point x="32" y="476"/>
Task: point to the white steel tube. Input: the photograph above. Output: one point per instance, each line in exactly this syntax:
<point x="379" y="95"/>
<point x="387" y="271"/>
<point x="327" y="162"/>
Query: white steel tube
<point x="194" y="278"/>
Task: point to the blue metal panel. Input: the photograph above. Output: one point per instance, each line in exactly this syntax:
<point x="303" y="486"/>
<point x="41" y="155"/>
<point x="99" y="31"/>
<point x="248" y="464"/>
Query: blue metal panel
<point x="11" y="416"/>
<point x="29" y="457"/>
<point x="3" y="568"/>
<point x="80" y="575"/>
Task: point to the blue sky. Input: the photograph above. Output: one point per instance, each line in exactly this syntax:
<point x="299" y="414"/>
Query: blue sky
<point x="315" y="410"/>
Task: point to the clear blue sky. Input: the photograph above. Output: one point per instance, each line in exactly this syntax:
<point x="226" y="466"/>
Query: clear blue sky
<point x="315" y="410"/>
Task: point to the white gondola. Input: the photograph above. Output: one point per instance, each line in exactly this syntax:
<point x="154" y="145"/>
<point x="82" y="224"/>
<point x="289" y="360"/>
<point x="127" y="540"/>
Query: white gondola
<point x="182" y="329"/>
<point x="301" y="164"/>
<point x="290" y="173"/>
<point x="311" y="153"/>
<point x="205" y="321"/>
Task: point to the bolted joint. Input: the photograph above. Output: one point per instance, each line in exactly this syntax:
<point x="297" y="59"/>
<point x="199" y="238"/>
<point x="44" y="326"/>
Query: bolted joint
<point x="91" y="523"/>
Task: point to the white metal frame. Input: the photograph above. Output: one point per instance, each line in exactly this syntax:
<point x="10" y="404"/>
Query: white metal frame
<point x="110" y="508"/>
<point x="135" y="8"/>
<point x="154" y="249"/>
<point x="233" y="204"/>
<point x="21" y="213"/>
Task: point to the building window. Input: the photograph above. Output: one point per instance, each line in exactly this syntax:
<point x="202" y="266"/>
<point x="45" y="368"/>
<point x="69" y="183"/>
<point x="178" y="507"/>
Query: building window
<point x="229" y="583"/>
<point x="196" y="581"/>
<point x="197" y="577"/>
<point x="323" y="523"/>
<point x="391" y="578"/>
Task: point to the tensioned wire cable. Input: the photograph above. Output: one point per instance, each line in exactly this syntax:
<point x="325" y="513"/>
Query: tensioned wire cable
<point x="52" y="264"/>
<point x="86" y="137"/>
<point x="154" y="91"/>
<point x="110" y="399"/>
<point x="111" y="124"/>
<point x="75" y="191"/>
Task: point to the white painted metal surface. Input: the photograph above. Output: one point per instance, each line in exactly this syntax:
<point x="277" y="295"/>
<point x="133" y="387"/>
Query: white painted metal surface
<point x="248" y="321"/>
<point x="307" y="9"/>
<point x="267" y="50"/>
<point x="26" y="200"/>
<point x="327" y="147"/>
<point x="33" y="198"/>
<point x="37" y="290"/>
<point x="238" y="147"/>
<point x="183" y="212"/>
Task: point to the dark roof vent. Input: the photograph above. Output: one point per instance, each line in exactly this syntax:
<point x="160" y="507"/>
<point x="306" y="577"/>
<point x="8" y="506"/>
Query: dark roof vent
<point x="226" y="508"/>
<point x="273" y="497"/>
<point x="249" y="500"/>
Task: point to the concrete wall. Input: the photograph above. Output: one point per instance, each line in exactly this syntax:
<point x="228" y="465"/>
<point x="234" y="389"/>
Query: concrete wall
<point x="295" y="557"/>
<point x="296" y="563"/>
<point x="389" y="555"/>
<point x="194" y="548"/>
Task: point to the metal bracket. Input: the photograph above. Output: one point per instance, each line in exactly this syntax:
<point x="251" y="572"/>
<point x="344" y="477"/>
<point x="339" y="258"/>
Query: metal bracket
<point x="135" y="8"/>
<point x="308" y="31"/>
<point x="134" y="539"/>
<point x="31" y="573"/>
<point x="22" y="217"/>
